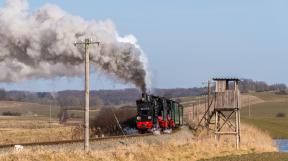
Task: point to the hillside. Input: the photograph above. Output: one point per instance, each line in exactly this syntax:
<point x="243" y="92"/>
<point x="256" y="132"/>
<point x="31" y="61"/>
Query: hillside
<point x="271" y="115"/>
<point x="182" y="145"/>
<point x="268" y="111"/>
<point x="26" y="108"/>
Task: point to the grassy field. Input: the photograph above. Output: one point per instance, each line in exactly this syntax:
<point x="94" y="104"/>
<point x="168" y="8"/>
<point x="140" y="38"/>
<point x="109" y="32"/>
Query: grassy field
<point x="276" y="127"/>
<point x="264" y="115"/>
<point x="270" y="96"/>
<point x="22" y="129"/>
<point x="38" y="128"/>
<point x="253" y="157"/>
<point x="42" y="110"/>
<point x="26" y="108"/>
<point x="180" y="146"/>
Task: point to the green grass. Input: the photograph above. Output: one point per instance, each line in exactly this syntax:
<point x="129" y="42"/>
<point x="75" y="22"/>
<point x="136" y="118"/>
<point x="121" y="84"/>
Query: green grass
<point x="276" y="127"/>
<point x="266" y="109"/>
<point x="253" y="157"/>
<point x="269" y="96"/>
<point x="263" y="115"/>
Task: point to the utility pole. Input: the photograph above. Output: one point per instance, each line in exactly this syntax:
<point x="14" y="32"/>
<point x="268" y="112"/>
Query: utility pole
<point x="86" y="44"/>
<point x="193" y="111"/>
<point x="50" y="114"/>
<point x="208" y="99"/>
<point x="199" y="107"/>
<point x="249" y="106"/>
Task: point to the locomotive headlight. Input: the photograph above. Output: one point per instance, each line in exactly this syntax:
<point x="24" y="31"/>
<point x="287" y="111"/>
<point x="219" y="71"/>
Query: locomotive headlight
<point x="149" y="117"/>
<point x="138" y="118"/>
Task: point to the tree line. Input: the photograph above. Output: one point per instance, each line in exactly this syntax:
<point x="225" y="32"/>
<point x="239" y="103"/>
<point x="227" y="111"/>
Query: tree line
<point x="70" y="98"/>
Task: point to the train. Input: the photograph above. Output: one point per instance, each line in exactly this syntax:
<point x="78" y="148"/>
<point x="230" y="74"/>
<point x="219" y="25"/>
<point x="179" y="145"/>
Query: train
<point x="155" y="112"/>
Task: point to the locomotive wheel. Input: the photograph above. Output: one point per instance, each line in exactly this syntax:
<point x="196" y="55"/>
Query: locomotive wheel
<point x="142" y="131"/>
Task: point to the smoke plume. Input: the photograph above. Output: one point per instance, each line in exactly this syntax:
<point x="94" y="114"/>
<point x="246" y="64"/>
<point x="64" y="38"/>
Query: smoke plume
<point x="39" y="44"/>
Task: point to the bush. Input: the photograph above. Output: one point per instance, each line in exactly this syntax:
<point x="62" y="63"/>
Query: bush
<point x="281" y="92"/>
<point x="106" y="121"/>
<point x="280" y="114"/>
<point x="8" y="113"/>
<point x="63" y="115"/>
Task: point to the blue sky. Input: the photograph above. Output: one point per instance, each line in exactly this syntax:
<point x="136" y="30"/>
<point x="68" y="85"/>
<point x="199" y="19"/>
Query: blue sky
<point x="188" y="42"/>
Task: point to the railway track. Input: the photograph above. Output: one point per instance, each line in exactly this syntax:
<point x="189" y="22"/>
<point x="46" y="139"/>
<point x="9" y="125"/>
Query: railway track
<point x="72" y="141"/>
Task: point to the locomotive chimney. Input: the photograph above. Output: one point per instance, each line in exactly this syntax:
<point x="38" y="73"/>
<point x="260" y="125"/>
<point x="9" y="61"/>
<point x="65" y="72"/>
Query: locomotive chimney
<point x="145" y="96"/>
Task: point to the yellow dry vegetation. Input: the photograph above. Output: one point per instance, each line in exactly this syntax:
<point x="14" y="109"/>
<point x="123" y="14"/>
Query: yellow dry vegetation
<point x="247" y="99"/>
<point x="253" y="141"/>
<point x="28" y="129"/>
<point x="28" y="122"/>
<point x="9" y="136"/>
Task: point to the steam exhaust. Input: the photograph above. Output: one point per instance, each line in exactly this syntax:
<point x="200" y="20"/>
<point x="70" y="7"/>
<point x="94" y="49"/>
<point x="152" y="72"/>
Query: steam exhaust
<point x="39" y="44"/>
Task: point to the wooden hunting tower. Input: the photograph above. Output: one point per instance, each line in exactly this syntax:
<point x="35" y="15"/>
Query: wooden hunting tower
<point x="227" y="108"/>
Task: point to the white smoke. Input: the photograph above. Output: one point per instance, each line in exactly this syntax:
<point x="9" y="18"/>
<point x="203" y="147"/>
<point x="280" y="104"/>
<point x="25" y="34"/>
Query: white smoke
<point x="39" y="44"/>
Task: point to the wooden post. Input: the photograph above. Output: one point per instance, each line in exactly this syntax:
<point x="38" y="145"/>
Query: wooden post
<point x="237" y="129"/>
<point x="193" y="112"/>
<point x="87" y="94"/>
<point x="237" y="113"/>
<point x="208" y="107"/>
<point x="209" y="90"/>
<point x="86" y="44"/>
<point x="198" y="109"/>
<point x="50" y="111"/>
<point x="239" y="122"/>
<point x="216" y="125"/>
<point x="249" y="106"/>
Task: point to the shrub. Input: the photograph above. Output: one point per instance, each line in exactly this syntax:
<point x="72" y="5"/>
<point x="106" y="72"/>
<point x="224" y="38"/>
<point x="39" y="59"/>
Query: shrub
<point x="63" y="115"/>
<point x="281" y="92"/>
<point x="9" y="113"/>
<point x="106" y="121"/>
<point x="280" y="114"/>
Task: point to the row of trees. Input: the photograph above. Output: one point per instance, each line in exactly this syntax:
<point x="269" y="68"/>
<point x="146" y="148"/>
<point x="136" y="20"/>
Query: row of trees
<point x="248" y="85"/>
<point x="123" y="96"/>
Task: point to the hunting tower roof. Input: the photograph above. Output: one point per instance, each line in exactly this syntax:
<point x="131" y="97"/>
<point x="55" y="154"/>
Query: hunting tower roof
<point x="227" y="79"/>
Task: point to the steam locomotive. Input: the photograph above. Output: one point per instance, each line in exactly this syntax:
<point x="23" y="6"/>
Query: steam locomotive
<point x="158" y="112"/>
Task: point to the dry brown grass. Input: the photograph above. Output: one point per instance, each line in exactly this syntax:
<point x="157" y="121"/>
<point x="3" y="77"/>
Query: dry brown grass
<point x="180" y="149"/>
<point x="29" y="122"/>
<point x="27" y="108"/>
<point x="247" y="99"/>
<point x="183" y="146"/>
<point x="32" y="129"/>
<point x="18" y="135"/>
<point x="194" y="114"/>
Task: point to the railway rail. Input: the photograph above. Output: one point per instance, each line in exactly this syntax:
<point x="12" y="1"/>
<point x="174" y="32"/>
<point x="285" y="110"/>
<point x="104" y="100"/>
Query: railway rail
<point x="72" y="141"/>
